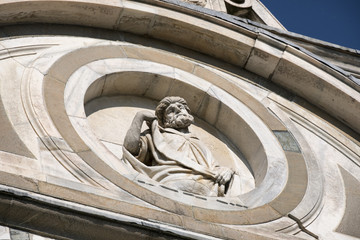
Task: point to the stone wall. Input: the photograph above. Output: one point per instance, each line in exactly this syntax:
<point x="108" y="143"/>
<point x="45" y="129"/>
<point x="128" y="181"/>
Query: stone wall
<point x="74" y="74"/>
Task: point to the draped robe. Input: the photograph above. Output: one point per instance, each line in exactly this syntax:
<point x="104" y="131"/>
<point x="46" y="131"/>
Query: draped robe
<point x="179" y="160"/>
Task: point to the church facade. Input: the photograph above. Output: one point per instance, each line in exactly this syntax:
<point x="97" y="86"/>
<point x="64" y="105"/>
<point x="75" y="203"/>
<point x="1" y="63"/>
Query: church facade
<point x="279" y="109"/>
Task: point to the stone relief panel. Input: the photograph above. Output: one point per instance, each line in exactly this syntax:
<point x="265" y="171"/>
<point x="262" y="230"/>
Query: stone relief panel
<point x="125" y="108"/>
<point x="68" y="102"/>
<point x="251" y="145"/>
<point x="145" y="82"/>
<point x="87" y="142"/>
<point x="169" y="153"/>
<point x="83" y="113"/>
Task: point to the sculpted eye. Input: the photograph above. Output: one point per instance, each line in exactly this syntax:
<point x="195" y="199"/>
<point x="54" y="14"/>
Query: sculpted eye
<point x="170" y="110"/>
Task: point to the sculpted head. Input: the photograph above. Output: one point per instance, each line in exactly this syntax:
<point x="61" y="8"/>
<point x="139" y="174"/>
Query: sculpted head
<point x="173" y="112"/>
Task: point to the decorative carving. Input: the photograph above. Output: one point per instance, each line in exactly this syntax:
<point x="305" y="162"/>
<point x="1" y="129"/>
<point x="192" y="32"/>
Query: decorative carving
<point x="168" y="153"/>
<point x="239" y="8"/>
<point x="196" y="2"/>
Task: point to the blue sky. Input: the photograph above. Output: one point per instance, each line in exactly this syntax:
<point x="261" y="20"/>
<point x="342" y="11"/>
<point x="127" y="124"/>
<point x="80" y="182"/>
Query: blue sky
<point x="335" y="21"/>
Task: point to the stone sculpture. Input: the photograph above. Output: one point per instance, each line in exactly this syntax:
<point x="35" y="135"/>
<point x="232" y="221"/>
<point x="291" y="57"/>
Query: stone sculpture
<point x="168" y="153"/>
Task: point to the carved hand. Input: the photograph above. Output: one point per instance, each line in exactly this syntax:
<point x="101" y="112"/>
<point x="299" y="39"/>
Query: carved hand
<point x="146" y="115"/>
<point x="223" y="175"/>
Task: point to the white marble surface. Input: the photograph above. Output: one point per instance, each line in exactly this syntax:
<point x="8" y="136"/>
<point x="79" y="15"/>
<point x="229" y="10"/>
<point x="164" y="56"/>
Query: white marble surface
<point x="4" y="233"/>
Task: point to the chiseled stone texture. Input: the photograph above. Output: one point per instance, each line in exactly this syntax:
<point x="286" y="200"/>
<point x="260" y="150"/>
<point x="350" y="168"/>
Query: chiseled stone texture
<point x="287" y="122"/>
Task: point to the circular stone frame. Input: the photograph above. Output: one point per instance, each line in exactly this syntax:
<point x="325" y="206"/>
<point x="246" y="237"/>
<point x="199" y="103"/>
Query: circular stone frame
<point x="69" y="121"/>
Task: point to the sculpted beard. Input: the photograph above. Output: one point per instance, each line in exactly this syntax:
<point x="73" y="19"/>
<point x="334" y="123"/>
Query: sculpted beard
<point x="179" y="121"/>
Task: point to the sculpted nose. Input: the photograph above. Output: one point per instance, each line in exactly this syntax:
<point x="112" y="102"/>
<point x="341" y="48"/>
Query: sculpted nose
<point x="177" y="110"/>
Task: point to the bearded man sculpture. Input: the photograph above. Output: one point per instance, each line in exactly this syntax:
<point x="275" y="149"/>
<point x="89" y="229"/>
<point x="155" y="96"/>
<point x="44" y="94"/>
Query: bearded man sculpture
<point x="170" y="154"/>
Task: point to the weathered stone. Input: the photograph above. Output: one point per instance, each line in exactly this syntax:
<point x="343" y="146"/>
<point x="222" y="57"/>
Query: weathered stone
<point x="74" y="77"/>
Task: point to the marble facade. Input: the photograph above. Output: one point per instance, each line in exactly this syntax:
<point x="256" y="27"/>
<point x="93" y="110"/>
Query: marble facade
<point x="75" y="72"/>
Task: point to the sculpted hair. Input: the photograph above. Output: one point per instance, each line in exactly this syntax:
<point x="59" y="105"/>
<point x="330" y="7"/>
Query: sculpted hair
<point x="164" y="103"/>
